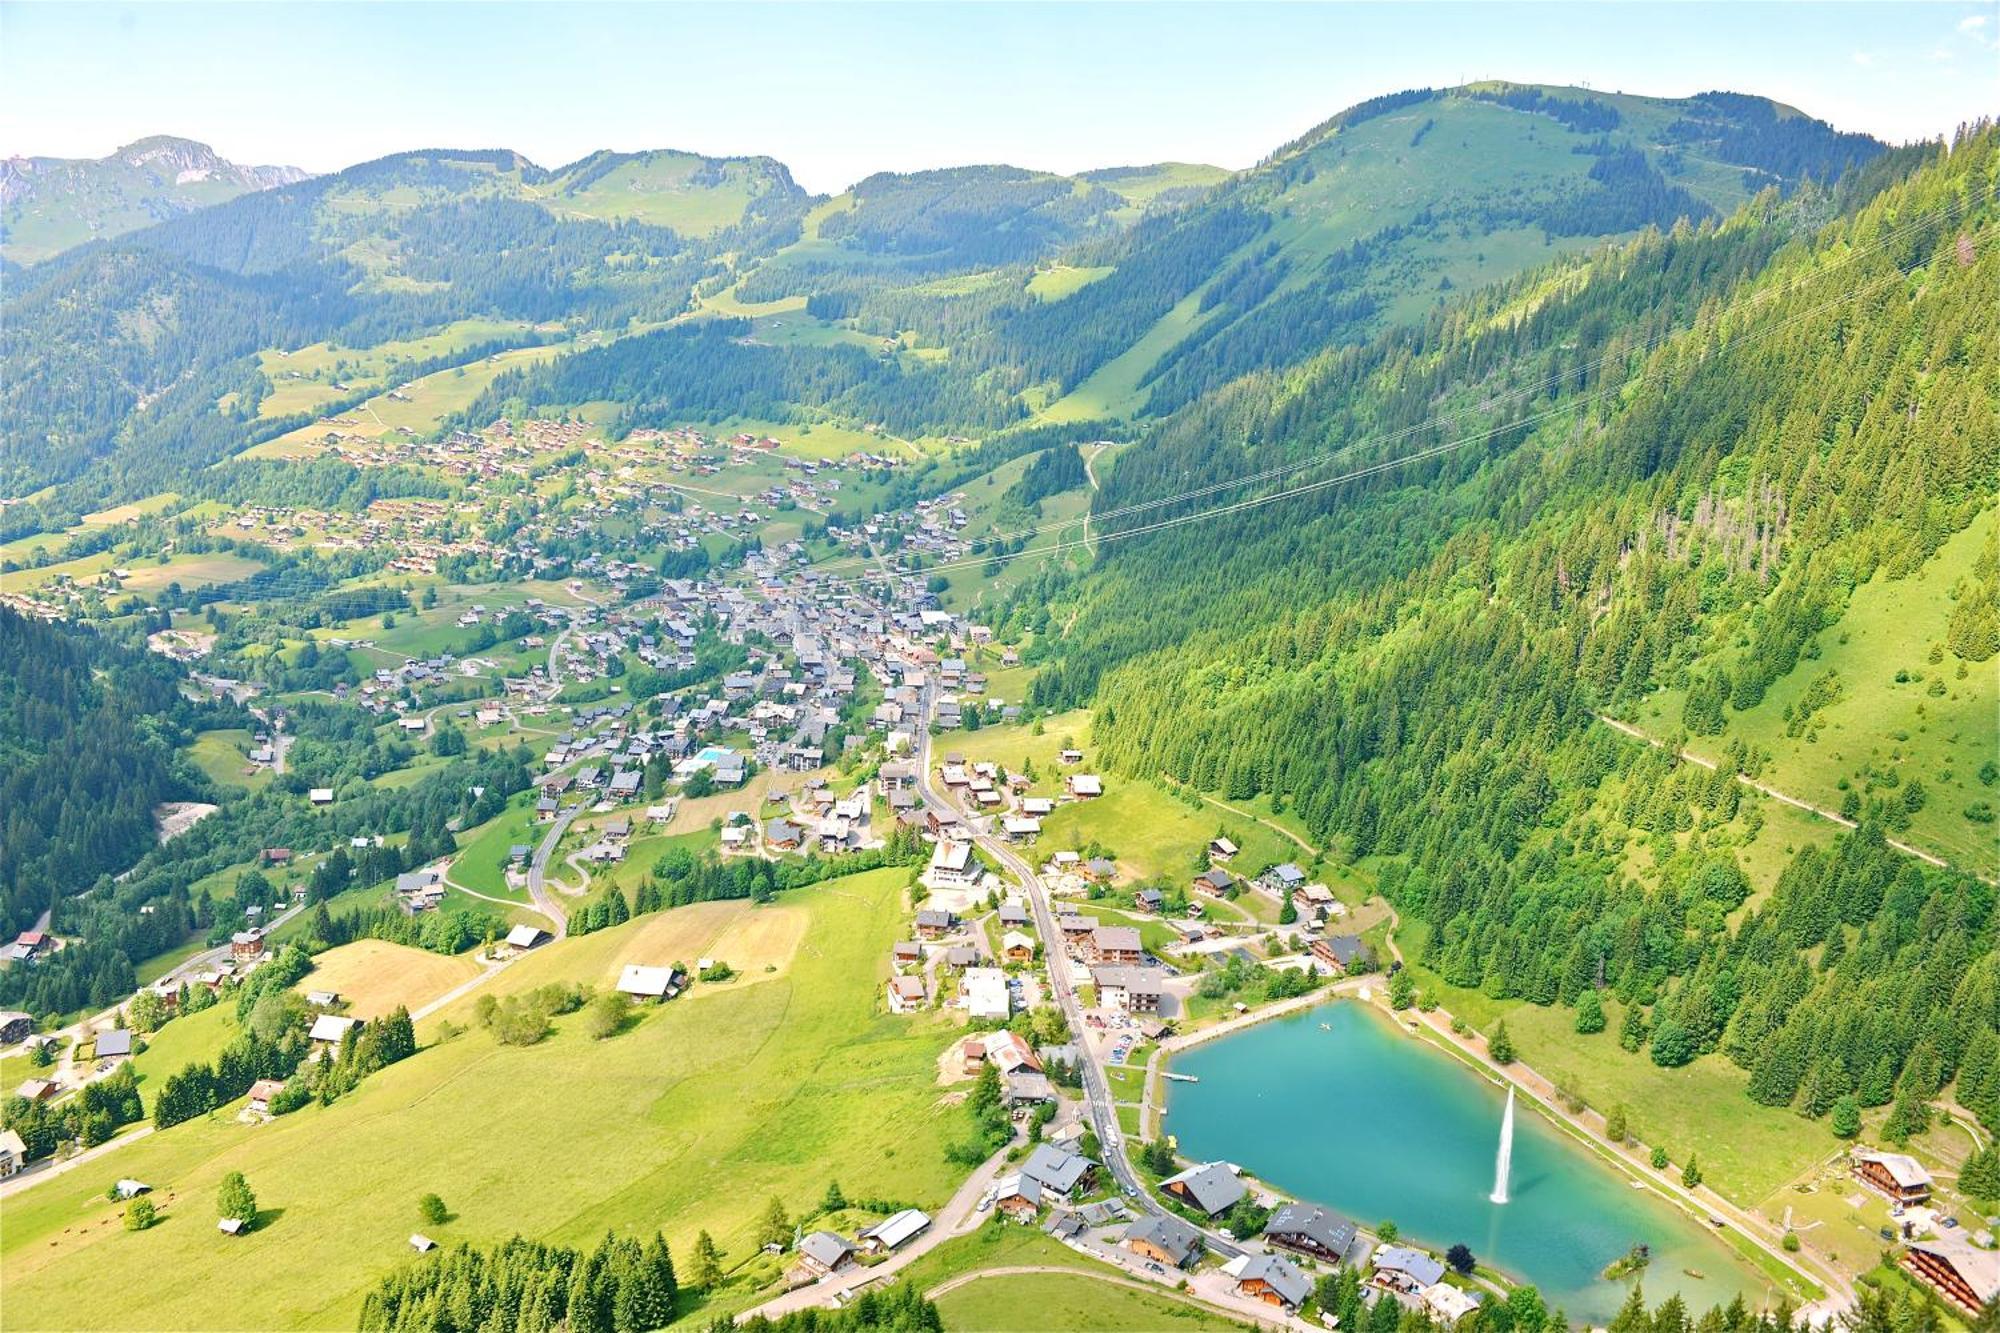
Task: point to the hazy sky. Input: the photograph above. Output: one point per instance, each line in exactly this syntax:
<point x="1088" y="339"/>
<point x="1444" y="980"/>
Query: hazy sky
<point x="836" y="91"/>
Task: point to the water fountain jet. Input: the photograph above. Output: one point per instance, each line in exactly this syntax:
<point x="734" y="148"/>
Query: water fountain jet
<point x="1503" y="1162"/>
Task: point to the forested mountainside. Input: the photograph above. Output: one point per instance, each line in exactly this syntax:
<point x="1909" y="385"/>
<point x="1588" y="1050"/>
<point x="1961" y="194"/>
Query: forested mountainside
<point x="51" y="204"/>
<point x="88" y="729"/>
<point x="935" y="303"/>
<point x="1669" y="468"/>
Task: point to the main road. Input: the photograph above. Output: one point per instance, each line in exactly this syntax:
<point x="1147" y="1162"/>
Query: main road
<point x="1099" y="1109"/>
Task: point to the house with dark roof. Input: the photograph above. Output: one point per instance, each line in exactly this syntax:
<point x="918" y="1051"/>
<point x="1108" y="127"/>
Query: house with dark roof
<point x="1164" y="1239"/>
<point x="1057" y="1171"/>
<point x="1270" y="1279"/>
<point x="823" y="1252"/>
<point x="1311" y="1230"/>
<point x="1211" y="1187"/>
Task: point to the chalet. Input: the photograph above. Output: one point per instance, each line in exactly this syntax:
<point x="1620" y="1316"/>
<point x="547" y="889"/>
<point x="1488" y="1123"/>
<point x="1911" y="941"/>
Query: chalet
<point x="1017" y="947"/>
<point x="13" y="1153"/>
<point x="1448" y="1304"/>
<point x="1964" y="1275"/>
<point x="824" y="1253"/>
<point x="906" y="953"/>
<point x="330" y="1029"/>
<point x="1164" y="1239"/>
<point x="114" y="1044"/>
<point x="1026" y="1089"/>
<point x="323" y="999"/>
<point x="1084" y="786"/>
<point x="37" y="1090"/>
<point x="1007" y="1051"/>
<point x="546" y="810"/>
<point x="1400" y="1268"/>
<point x="1315" y="903"/>
<point x="1117" y="945"/>
<point x="1132" y="990"/>
<point x="1221" y="849"/>
<point x="518" y="854"/>
<point x="961" y="956"/>
<point x="907" y="995"/>
<point x="320" y="796"/>
<point x="933" y="923"/>
<point x="1018" y="1196"/>
<point x="783" y="834"/>
<point x="1020" y="828"/>
<point x="1150" y="900"/>
<point x="952" y="866"/>
<point x="1339" y="953"/>
<point x="649" y="983"/>
<point x="1212" y="1187"/>
<point x="942" y="824"/>
<point x="1037" y="806"/>
<point x="1098" y="870"/>
<point x="1060" y="1173"/>
<point x="261" y="1093"/>
<point x="1896" y="1176"/>
<point x="1075" y="927"/>
<point x="895" y="1231"/>
<point x="1013" y="916"/>
<point x="985" y="993"/>
<point x="625" y="784"/>
<point x="1268" y="1278"/>
<point x="1282" y="879"/>
<point x="15" y="1026"/>
<point x="1311" y="1230"/>
<point x="246" y="946"/>
<point x="277" y="856"/>
<point x="1214" y="882"/>
<point x="1071" y="756"/>
<point x="524" y="937"/>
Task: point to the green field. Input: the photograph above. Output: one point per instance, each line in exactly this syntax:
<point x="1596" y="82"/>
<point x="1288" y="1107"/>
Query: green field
<point x="224" y="754"/>
<point x="1081" y="1301"/>
<point x="691" y="1119"/>
<point x="482" y="853"/>
<point x="1881" y="726"/>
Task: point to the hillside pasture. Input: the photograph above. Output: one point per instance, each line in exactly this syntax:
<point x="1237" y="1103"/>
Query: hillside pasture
<point x="690" y="1119"/>
<point x="375" y="976"/>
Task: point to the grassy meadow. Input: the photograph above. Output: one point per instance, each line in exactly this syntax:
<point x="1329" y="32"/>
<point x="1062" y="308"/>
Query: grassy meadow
<point x="690" y="1119"/>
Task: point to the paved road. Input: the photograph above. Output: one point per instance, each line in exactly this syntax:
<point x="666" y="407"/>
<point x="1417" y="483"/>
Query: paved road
<point x="958" y="1217"/>
<point x="1100" y="1109"/>
<point x="538" y="872"/>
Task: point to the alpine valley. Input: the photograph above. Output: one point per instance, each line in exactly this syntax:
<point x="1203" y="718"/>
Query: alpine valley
<point x="733" y="757"/>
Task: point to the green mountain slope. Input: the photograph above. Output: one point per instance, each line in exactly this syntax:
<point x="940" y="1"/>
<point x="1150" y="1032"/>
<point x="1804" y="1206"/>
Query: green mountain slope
<point x="1718" y="465"/>
<point x="49" y="204"/>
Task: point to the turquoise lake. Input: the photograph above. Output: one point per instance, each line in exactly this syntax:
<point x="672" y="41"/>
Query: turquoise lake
<point x="1336" y="1106"/>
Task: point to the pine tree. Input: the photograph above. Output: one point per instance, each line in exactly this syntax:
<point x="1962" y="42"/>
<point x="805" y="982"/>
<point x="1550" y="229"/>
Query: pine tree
<point x="1846" y="1117"/>
<point x="234" y="1199"/>
<point x="1615" y="1127"/>
<point x="1501" y="1046"/>
<point x="707" y="1275"/>
<point x="1691" y="1173"/>
<point x="774" y="1228"/>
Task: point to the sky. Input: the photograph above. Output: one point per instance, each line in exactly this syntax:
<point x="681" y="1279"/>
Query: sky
<point x="837" y="91"/>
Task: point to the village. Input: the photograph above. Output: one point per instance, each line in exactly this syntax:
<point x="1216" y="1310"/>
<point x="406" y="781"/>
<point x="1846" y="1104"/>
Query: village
<point x="809" y="694"/>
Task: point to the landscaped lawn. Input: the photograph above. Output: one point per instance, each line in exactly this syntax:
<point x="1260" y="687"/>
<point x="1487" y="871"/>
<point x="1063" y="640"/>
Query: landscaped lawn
<point x="771" y="1084"/>
<point x="1154" y="834"/>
